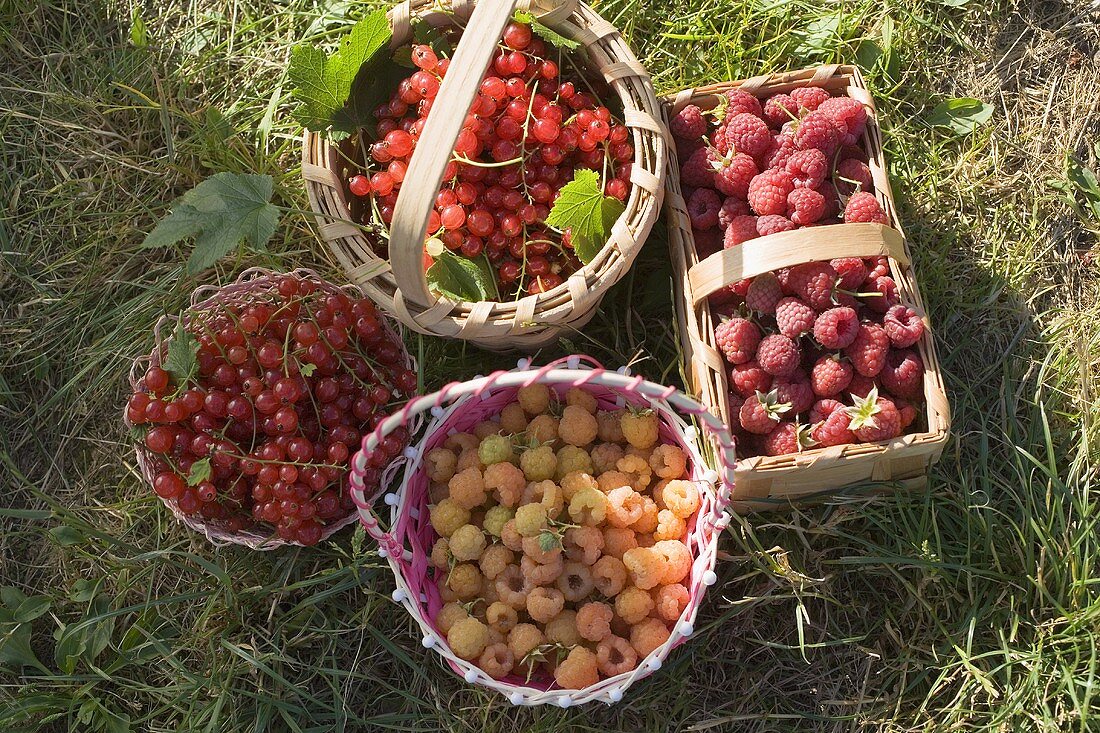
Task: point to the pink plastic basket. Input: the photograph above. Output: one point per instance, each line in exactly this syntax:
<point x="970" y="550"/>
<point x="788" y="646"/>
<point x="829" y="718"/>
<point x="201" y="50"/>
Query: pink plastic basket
<point x="251" y="283"/>
<point x="458" y="407"/>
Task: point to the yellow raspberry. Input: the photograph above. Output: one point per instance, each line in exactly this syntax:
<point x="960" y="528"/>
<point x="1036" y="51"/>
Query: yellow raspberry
<point x="682" y="497"/>
<point x="617" y="540"/>
<point x="501" y="616"/>
<point x="677" y="560"/>
<point x="575" y="581"/>
<point x="449" y="615"/>
<point x="495" y="449"/>
<point x="647" y="635"/>
<point x="439" y="464"/>
<point x="608" y="481"/>
<point x="646" y="566"/>
<point x="437" y="493"/>
<point x="588" y="506"/>
<point x="637" y="469"/>
<point x="669" y="526"/>
<point x="524" y="639"/>
<point x="544" y="604"/>
<point x="644" y="540"/>
<point x="469" y="459"/>
<point x="485" y="428"/>
<point x="670" y="601"/>
<point x="543" y="429"/>
<point x="615" y="656"/>
<point x="497" y="660"/>
<point x="658" y="492"/>
<point x="512" y="587"/>
<point x="645" y="454"/>
<point x="460" y="442"/>
<point x="594" y="621"/>
<point x="546" y="493"/>
<point x="445" y="593"/>
<point x="640" y="428"/>
<point x="633" y="604"/>
<point x="538" y="464"/>
<point x="467" y="543"/>
<point x="488" y="593"/>
<point x="512" y="539"/>
<point x="468" y="638"/>
<point x="582" y="398"/>
<point x="583" y="544"/>
<point x="562" y="629"/>
<point x="577" y="426"/>
<point x="543" y="573"/>
<point x="571" y="483"/>
<point x="609" y="426"/>
<point x="624" y="506"/>
<point x="648" y="521"/>
<point x="495" y="519"/>
<point x="468" y="488"/>
<point x="668" y="461"/>
<point x="506" y="481"/>
<point x="579" y="670"/>
<point x="605" y="456"/>
<point x="465" y="580"/>
<point x="441" y="554"/>
<point x="572" y="459"/>
<point x="609" y="576"/>
<point x="494" y="560"/>
<point x="513" y="420"/>
<point x="530" y="519"/>
<point x="447" y="516"/>
<point x="534" y="398"/>
<point x="542" y="548"/>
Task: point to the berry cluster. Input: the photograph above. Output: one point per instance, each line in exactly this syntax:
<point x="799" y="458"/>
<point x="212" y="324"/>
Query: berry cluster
<point x="820" y="354"/>
<point x="751" y="169"/>
<point x="561" y="538"/>
<point x="525" y="134"/>
<point x="258" y="429"/>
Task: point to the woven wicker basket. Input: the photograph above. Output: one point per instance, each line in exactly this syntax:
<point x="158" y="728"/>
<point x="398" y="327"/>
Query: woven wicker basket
<point x="763" y="482"/>
<point x="399" y="285"/>
<point x="407" y="542"/>
<point x="251" y="283"/>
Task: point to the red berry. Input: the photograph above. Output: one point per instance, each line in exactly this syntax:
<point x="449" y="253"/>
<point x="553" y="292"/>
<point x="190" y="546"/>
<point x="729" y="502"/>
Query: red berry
<point x="737" y="339"/>
<point x="359" y="185"/>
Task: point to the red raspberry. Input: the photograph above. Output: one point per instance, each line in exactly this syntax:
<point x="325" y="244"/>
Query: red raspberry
<point x="735" y="403"/>
<point x="688" y="123"/>
<point x="888" y="289"/>
<point x="741" y="229"/>
<point x="703" y="206"/>
<point x="852" y="152"/>
<point x="764" y="293"/>
<point x="741" y="287"/>
<point x="816" y="130"/>
<point x="761" y="412"/>
<point x="853" y="175"/>
<point x="861" y="386"/>
<point x="778" y="355"/>
<point x="879" y="266"/>
<point x="830" y="376"/>
<point x="903" y="326"/>
<point x="832" y="202"/>
<point x="863" y="207"/>
<point x="814" y="283"/>
<point x="778" y="153"/>
<point x="836" y="328"/>
<point x="789" y="437"/>
<point x="748" y="379"/>
<point x="907" y="412"/>
<point x="868" y="350"/>
<point x="874" y="418"/>
<point x="797" y="390"/>
<point x="849" y="116"/>
<point x="903" y="374"/>
<point x="851" y="271"/>
<point x="732" y="207"/>
<point x="780" y="108"/>
<point x="768" y="192"/>
<point x="737" y="339"/>
<point x="809" y="98"/>
<point x="748" y="134"/>
<point x="833" y="429"/>
<point x="773" y="224"/>
<point x="686" y="148"/>
<point x="707" y="241"/>
<point x="808" y="168"/>
<point x="740" y="102"/>
<point x="805" y="206"/>
<point x="733" y="177"/>
<point x="823" y="408"/>
<point x="794" y="317"/>
<point x="696" y="171"/>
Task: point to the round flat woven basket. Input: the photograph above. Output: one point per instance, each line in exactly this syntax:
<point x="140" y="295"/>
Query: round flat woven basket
<point x="398" y="285"/>
<point x="406" y="536"/>
<point x="251" y="284"/>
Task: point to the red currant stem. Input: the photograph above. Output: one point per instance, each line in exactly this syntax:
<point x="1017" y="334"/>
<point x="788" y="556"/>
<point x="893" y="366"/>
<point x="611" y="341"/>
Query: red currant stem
<point x="477" y="163"/>
<point x="284" y="462"/>
<point x="336" y="353"/>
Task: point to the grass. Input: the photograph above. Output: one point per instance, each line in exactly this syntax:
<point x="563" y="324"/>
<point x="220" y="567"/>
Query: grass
<point x="972" y="606"/>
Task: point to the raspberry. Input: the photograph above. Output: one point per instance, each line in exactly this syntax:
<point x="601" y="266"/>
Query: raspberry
<point x="773" y="224"/>
<point x="465" y="580"/>
<point x="768" y="192"/>
<point x="747" y="133"/>
<point x="588" y="507"/>
<point x="497" y="661"/>
<point x="749" y="378"/>
<point x="676" y="560"/>
<point x="609" y="574"/>
<point x="640" y="428"/>
<point x="861" y="386"/>
<point x="512" y="587"/>
<point x="696" y="170"/>
<point x="594" y="621"/>
<point x="468" y="459"/>
<point x="637" y="468"/>
<point x="530" y="519"/>
<point x="778" y="355"/>
<point x="615" y="656"/>
<point x="688" y="123"/>
<point x="851" y="271"/>
<point x="849" y="116"/>
<point x="764" y="293"/>
<point x="668" y="461"/>
<point x="575" y="581"/>
<point x="605" y="456"/>
<point x="832" y="202"/>
<point x="648" y="522"/>
<point x="669" y="526"/>
<point x="645" y="565"/>
<point x="538" y="573"/>
<point x="440" y="465"/>
<point x="441" y="553"/>
<point x="732" y="207"/>
<point x="718" y="140"/>
<point x="467" y="488"/>
<point x="879" y="266"/>
<point x="513" y="419"/>
<point x="583" y="544"/>
<point x="450" y="614"/>
<point x="562" y="630"/>
<point x="578" y="426"/>
<point x="524" y="639"/>
<point x="702" y="207"/>
<point x="902" y="375"/>
<point x="579" y="670"/>
<point x="809" y="98"/>
<point x="733" y="178"/>
<point x="761" y="413"/>
<point x="740" y="230"/>
<point x="609" y="427"/>
<point x="534" y="398"/>
<point x="830" y="376"/>
<point x="494" y="560"/>
<point x="796" y="390"/>
<point x="582" y="398"/>
<point x="834" y="428"/>
<point x="671" y="600"/>
<point x="907" y="412"/>
<point x="779" y="152"/>
<point x="647" y="635"/>
<point x="780" y="108"/>
<point x="853" y="175"/>
<point x="888" y="293"/>
<point x="617" y="540"/>
<point x="624" y="507"/>
<point x="805" y="206"/>
<point x="512" y="539"/>
<point x="495" y="449"/>
<point x="544" y="604"/>
<point x="485" y="428"/>
<point x="808" y="168"/>
<point x="572" y="459"/>
<point x="739" y="102"/>
<point x="874" y="418"/>
<point x="863" y="207"/>
<point x="817" y="131"/>
<point x="682" y="498"/>
<point x="613" y="479"/>
<point x="823" y="408"/>
<point x="633" y="604"/>
<point x="467" y="543"/>
<point x="737" y="339"/>
<point x="538" y="464"/>
<point x="447" y="516"/>
<point x="814" y="283"/>
<point x="574" y="483"/>
<point x="836" y="328"/>
<point x="793" y="317"/>
<point x="868" y="350"/>
<point x="547" y="493"/>
<point x="506" y="481"/>
<point x="903" y="326"/>
<point x="788" y="438"/>
<point x="460" y="442"/>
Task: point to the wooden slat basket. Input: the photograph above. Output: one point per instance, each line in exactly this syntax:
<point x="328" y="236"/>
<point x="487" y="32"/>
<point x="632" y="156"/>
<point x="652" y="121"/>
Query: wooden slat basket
<point x="768" y="482"/>
<point x="398" y="285"/>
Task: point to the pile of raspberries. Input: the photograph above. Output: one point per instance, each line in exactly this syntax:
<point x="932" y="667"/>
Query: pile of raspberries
<point x="752" y="169"/>
<point x="819" y="354"/>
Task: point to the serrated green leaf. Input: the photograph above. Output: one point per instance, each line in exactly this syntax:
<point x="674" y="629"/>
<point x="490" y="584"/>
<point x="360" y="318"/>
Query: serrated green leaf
<point x="200" y="471"/>
<point x="962" y="116"/>
<point x="460" y="278"/>
<point x="181" y="361"/>
<point x="586" y="212"/>
<point x="545" y="32"/>
<point x="307" y="369"/>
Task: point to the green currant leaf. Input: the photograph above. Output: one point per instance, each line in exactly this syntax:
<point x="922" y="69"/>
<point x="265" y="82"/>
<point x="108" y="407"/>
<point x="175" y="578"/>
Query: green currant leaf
<point x="181" y="361"/>
<point x="545" y="32"/>
<point x="200" y="471"/>
<point x="428" y="35"/>
<point x="962" y="116"/>
<point x="307" y="369"/>
<point x="461" y="278"/>
<point x="586" y="212"/>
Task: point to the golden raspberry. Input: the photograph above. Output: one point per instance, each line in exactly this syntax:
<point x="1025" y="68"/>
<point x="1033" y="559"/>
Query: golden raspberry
<point x="501" y="616"/>
<point x="441" y="554"/>
<point x="542" y="548"/>
<point x="583" y="544"/>
<point x="577" y="426"/>
<point x="469" y="458"/>
<point x="572" y="459"/>
<point x="468" y="488"/>
<point x="467" y="543"/>
<point x="447" y="516"/>
<point x="609" y="576"/>
<point x="543" y="429"/>
<point x="615" y="656"/>
<point x="608" y="481"/>
<point x="605" y="456"/>
<point x="581" y="398"/>
<point x="640" y="428"/>
<point x="497" y="660"/>
<point x="512" y="539"/>
<point x="512" y="587"/>
<point x="562" y="629"/>
<point x="544" y="604"/>
<point x="495" y="637"/>
<point x="571" y="483"/>
<point x="617" y="540"/>
<point x="513" y="420"/>
<point x="468" y="638"/>
<point x="644" y="540"/>
<point x="437" y="493"/>
<point x="538" y="464"/>
<point x="594" y="621"/>
<point x="670" y="601"/>
<point x="668" y="461"/>
<point x="465" y="580"/>
<point x="485" y="428"/>
<point x="588" y="506"/>
<point x="546" y="493"/>
<point x="677" y="560"/>
<point x="645" y="565"/>
<point x="460" y="442"/>
<point x="637" y="469"/>
<point x="489" y="593"/>
<point x="579" y="670"/>
<point x="669" y="526"/>
<point x="575" y="581"/>
<point x="633" y="604"/>
<point x="648" y="521"/>
<point x="494" y="560"/>
<point x="609" y="424"/>
<point x="624" y="506"/>
<point x="647" y="635"/>
<point x="449" y="615"/>
<point x="439" y="464"/>
<point x="495" y="449"/>
<point x="682" y="497"/>
<point x="445" y="593"/>
<point x="657" y="490"/>
<point x="495" y="519"/>
<point x="530" y="519"/>
<point x="506" y="481"/>
<point x="541" y="573"/>
<point x="524" y="639"/>
<point x="534" y="398"/>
